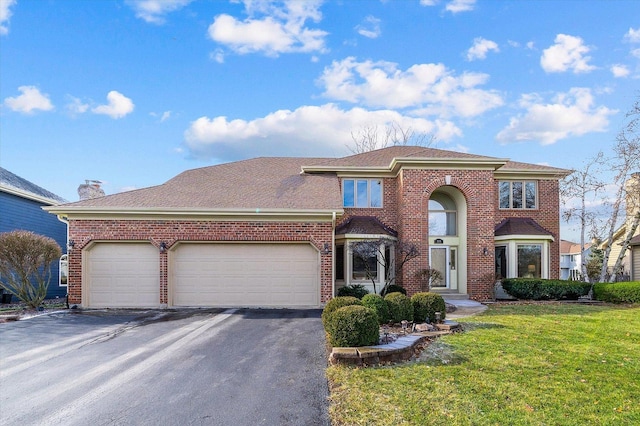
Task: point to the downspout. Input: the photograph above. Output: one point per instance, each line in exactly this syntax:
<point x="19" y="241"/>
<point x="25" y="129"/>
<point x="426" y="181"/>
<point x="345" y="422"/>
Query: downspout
<point x="333" y="254"/>
<point x="66" y="222"/>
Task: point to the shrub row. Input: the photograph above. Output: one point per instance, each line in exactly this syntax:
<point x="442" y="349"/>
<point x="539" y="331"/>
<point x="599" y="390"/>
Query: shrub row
<point x="624" y="292"/>
<point x="350" y="321"/>
<point x="539" y="289"/>
<point x="354" y="290"/>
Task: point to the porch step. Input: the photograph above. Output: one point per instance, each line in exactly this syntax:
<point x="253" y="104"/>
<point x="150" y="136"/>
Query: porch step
<point x="451" y="295"/>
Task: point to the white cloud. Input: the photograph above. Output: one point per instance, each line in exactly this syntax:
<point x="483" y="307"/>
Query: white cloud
<point x="154" y="11"/>
<point x="456" y="6"/>
<point x="276" y="30"/>
<point x="163" y="117"/>
<point x="480" y="48"/>
<point x="429" y="89"/>
<point x="453" y="6"/>
<point x="217" y="56"/>
<point x="370" y="28"/>
<point x="306" y="131"/>
<point x="5" y="15"/>
<point x="75" y="106"/>
<point x="636" y="53"/>
<point x="568" y="53"/>
<point x="620" y="70"/>
<point x="570" y="114"/>
<point x="118" y="106"/>
<point x="633" y="36"/>
<point x="29" y="101"/>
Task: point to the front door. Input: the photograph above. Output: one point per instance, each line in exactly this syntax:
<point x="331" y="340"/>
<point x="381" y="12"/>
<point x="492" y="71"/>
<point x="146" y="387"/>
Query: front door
<point x="439" y="260"/>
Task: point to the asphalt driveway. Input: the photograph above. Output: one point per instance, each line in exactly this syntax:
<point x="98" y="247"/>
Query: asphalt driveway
<point x="187" y="367"/>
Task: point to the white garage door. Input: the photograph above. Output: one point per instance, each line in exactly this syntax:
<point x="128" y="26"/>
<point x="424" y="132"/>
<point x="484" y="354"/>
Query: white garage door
<point x="122" y="275"/>
<point x="275" y="275"/>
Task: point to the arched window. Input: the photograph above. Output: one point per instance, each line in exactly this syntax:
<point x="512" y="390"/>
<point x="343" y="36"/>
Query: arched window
<point x="442" y="216"/>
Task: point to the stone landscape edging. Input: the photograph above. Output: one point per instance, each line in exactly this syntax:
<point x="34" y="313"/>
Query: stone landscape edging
<point x="402" y="349"/>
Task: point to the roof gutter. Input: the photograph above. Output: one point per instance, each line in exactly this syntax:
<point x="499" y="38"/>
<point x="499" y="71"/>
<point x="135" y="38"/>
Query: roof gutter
<point x="84" y="212"/>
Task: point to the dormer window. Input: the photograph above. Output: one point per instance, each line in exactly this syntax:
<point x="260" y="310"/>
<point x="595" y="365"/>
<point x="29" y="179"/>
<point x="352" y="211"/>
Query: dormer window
<point x="362" y="193"/>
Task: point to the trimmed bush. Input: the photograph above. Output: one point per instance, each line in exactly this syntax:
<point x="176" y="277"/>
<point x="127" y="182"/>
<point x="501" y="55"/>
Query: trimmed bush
<point x="354" y="290"/>
<point x="378" y="304"/>
<point x="624" y="292"/>
<point x="539" y="289"/>
<point x="395" y="289"/>
<point x="400" y="307"/>
<point x="425" y="305"/>
<point x="353" y="326"/>
<point x="335" y="304"/>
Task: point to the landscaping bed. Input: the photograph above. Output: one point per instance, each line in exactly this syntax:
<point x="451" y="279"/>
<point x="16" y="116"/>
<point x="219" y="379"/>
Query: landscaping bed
<point x="18" y="310"/>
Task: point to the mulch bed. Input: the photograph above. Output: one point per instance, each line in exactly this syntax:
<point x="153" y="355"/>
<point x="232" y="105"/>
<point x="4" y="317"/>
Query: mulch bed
<point x="19" y="310"/>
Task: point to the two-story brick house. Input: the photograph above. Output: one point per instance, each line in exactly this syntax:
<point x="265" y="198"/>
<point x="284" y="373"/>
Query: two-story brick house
<point x="277" y="231"/>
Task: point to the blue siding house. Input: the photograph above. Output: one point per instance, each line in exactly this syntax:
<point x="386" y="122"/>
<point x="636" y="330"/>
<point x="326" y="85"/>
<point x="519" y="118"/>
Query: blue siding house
<point x="21" y="205"/>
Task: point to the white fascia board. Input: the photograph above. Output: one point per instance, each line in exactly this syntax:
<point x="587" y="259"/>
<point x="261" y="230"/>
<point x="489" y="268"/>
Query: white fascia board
<point x="520" y="237"/>
<point x="365" y="237"/>
<point x="194" y="214"/>
<point x="412" y="163"/>
<point x="530" y="174"/>
<point x="28" y="195"/>
<point x="447" y="163"/>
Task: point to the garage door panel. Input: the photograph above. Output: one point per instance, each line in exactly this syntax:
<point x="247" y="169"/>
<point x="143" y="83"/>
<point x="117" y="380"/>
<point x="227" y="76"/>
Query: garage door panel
<point x="123" y="275"/>
<point x="237" y="274"/>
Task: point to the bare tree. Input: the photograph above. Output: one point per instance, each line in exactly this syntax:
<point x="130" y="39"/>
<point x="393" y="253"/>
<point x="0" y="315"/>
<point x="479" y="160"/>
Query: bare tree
<point x="380" y="249"/>
<point x="26" y="257"/>
<point x="626" y="165"/>
<point x="370" y="137"/>
<point x="583" y="185"/>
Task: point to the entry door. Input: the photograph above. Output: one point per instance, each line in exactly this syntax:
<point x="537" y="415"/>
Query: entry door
<point x="439" y="260"/>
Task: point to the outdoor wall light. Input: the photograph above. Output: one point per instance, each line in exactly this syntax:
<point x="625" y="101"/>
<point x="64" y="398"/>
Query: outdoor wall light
<point x="485" y="251"/>
<point x="163" y="247"/>
<point x="326" y="249"/>
<point x="70" y="245"/>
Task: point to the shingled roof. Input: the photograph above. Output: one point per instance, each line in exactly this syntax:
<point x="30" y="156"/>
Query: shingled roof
<point x="383" y="157"/>
<point x="364" y="225"/>
<point x="259" y="183"/>
<point x="520" y="226"/>
<point x="15" y="183"/>
<point x="272" y="183"/>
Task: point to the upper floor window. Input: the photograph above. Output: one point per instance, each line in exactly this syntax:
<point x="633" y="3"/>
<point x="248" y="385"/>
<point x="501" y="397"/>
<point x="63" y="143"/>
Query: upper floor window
<point x="362" y="192"/>
<point x="518" y="194"/>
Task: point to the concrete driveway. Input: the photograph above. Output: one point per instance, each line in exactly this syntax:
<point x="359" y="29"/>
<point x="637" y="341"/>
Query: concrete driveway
<point x="188" y="367"/>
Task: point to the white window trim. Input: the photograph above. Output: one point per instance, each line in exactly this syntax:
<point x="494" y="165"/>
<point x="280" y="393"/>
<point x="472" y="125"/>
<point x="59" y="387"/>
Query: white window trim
<point x="512" y="242"/>
<point x="355" y="192"/>
<point x="524" y="197"/>
<point x="348" y="261"/>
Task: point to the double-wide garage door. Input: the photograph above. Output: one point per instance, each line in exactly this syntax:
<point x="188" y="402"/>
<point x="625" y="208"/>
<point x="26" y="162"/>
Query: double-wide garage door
<point x="245" y="275"/>
<point x="203" y="274"/>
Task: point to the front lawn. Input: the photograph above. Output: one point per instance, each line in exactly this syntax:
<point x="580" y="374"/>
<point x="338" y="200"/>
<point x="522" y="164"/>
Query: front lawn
<point x="532" y="364"/>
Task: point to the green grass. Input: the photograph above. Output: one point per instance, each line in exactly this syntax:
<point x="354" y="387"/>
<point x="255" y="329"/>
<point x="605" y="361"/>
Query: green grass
<point x="537" y="364"/>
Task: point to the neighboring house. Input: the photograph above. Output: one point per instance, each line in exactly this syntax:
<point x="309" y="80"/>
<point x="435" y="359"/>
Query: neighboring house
<point x="632" y="204"/>
<point x="635" y="258"/>
<point x="571" y="260"/>
<point x="276" y="231"/>
<point x="21" y="205"/>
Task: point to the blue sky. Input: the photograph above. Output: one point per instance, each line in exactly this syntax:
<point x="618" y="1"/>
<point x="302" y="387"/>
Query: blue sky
<point x="134" y="92"/>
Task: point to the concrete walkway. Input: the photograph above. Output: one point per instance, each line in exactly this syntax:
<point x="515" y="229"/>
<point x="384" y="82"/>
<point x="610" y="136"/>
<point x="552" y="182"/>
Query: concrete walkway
<point x="464" y="308"/>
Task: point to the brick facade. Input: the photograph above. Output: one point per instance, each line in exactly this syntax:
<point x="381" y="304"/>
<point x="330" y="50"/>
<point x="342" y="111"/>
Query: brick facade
<point x="405" y="209"/>
<point x="84" y="232"/>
